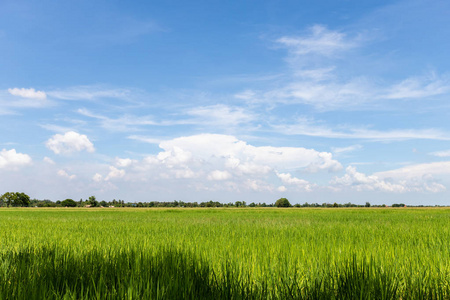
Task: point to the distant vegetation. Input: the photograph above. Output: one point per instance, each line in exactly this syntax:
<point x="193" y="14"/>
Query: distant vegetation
<point x="22" y="200"/>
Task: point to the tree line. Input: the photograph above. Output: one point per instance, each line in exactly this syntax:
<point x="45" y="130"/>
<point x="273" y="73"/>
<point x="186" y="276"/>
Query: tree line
<point x="16" y="199"/>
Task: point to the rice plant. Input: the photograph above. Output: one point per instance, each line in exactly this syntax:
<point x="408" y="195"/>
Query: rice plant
<point x="225" y="254"/>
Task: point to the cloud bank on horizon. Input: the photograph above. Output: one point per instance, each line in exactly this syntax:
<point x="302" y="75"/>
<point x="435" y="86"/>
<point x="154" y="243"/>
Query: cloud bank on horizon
<point x="317" y="102"/>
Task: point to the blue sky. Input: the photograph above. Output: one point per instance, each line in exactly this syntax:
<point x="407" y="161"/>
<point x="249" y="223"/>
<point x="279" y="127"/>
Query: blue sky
<point x="317" y="101"/>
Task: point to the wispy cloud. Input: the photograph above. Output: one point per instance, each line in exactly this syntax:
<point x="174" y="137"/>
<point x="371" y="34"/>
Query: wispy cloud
<point x="219" y="115"/>
<point x="145" y="139"/>
<point x="445" y="153"/>
<point x="418" y="170"/>
<point x="420" y="87"/>
<point x="395" y="181"/>
<point x="343" y="150"/>
<point x="91" y="92"/>
<point x="56" y="128"/>
<point x="319" y="40"/>
<point x="308" y="128"/>
<point x="125" y="123"/>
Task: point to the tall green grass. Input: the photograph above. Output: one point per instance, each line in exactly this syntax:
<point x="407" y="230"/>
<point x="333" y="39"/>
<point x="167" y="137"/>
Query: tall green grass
<point x="225" y="254"/>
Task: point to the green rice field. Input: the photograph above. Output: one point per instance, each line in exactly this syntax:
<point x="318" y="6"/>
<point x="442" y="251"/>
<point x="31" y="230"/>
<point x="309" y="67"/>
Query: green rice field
<point x="251" y="253"/>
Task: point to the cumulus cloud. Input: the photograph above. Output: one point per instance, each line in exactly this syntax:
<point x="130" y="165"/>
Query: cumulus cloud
<point x="287" y="178"/>
<point x="114" y="173"/>
<point x="253" y="159"/>
<point x="219" y="175"/>
<point x="69" y="142"/>
<point x="210" y="158"/>
<point x="10" y="159"/>
<point x="28" y="93"/>
<point x="124" y="162"/>
<point x="97" y="177"/>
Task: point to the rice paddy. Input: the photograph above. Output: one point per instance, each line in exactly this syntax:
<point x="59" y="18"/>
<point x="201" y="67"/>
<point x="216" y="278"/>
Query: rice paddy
<point x="217" y="253"/>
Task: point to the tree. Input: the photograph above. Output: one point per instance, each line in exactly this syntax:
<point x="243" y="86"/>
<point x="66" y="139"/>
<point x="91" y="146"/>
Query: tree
<point x="68" y="203"/>
<point x="367" y="204"/>
<point x="15" y="199"/>
<point x="282" y="202"/>
<point x="92" y="201"/>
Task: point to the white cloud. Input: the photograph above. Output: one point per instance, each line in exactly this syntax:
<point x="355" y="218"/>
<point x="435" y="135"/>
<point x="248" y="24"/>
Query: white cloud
<point x="258" y="185"/>
<point x="28" y="93"/>
<point x="63" y="173"/>
<point x="69" y="142"/>
<point x="48" y="160"/>
<point x="287" y="178"/>
<point x="124" y="123"/>
<point x="319" y="40"/>
<point x="445" y="153"/>
<point x="55" y="128"/>
<point x="245" y="95"/>
<point x="219" y="175"/>
<point x="397" y="181"/>
<point x="341" y="150"/>
<point x="281" y="188"/>
<point x="420" y="87"/>
<point x="90" y="93"/>
<point x="144" y="139"/>
<point x="219" y="115"/>
<point x="124" y="162"/>
<point x="306" y="127"/>
<point x="10" y="159"/>
<point x="97" y="177"/>
<point x="418" y="170"/>
<point x="207" y="159"/>
<point x="114" y="173"/>
<point x="184" y="173"/>
<point x="210" y="146"/>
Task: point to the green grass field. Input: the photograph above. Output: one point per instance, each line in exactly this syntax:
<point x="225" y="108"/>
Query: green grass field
<point x="225" y="253"/>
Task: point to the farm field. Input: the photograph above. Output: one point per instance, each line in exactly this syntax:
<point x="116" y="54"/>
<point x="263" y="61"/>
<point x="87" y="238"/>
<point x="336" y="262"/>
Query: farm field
<point x="118" y="253"/>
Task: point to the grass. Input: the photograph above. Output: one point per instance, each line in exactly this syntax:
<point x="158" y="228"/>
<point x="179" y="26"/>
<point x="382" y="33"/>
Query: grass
<point x="225" y="253"/>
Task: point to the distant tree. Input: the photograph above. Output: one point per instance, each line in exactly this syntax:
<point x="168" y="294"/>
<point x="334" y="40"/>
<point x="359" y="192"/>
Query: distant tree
<point x="15" y="199"/>
<point x="282" y="202"/>
<point x="367" y="204"/>
<point x="68" y="203"/>
<point x="335" y="204"/>
<point x="7" y="199"/>
<point x="93" y="201"/>
<point x="103" y="203"/>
